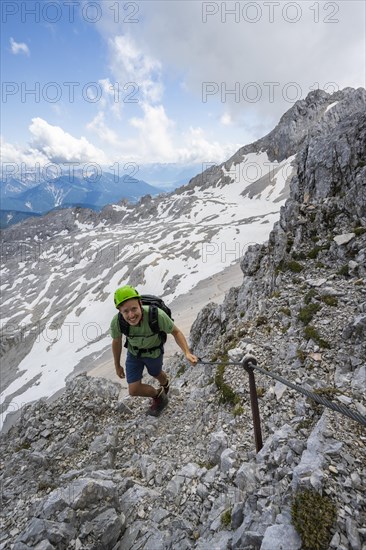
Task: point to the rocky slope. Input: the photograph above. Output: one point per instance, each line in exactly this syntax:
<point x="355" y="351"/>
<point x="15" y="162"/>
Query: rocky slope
<point x="59" y="272"/>
<point x="90" y="472"/>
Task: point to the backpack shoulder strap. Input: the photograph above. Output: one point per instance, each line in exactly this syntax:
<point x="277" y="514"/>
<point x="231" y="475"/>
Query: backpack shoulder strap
<point x="154" y="319"/>
<point x="154" y="324"/>
<point x="123" y="325"/>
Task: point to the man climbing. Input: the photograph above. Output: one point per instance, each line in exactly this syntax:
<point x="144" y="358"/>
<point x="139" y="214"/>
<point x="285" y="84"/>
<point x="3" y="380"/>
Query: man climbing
<point x="144" y="347"/>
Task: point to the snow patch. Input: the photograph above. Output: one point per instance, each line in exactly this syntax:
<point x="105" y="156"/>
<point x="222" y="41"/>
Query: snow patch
<point x="331" y="106"/>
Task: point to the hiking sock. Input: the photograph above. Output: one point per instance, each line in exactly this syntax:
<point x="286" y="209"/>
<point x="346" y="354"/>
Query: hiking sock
<point x="166" y="386"/>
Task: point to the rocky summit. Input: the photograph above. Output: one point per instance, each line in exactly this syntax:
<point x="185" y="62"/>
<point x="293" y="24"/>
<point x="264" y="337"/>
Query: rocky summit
<point x="91" y="471"/>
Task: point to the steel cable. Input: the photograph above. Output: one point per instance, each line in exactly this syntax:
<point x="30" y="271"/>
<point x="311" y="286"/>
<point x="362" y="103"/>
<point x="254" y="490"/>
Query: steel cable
<point x="341" y="408"/>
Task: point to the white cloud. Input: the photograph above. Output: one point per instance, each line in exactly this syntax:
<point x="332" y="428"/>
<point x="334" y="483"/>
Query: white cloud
<point x="158" y="141"/>
<point x="258" y="70"/>
<point x="16" y="155"/>
<point x="274" y="60"/>
<point x="134" y="68"/>
<point x="60" y="147"/>
<point x="19" y="47"/>
<point x="226" y="119"/>
<point x="111" y="96"/>
<point x="197" y="148"/>
<point x="50" y="144"/>
<point x="154" y="134"/>
<point x="325" y="45"/>
<point x="153" y="137"/>
<point x="99" y="126"/>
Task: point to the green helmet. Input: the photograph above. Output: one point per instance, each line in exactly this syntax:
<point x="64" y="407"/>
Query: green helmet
<point x="125" y="293"/>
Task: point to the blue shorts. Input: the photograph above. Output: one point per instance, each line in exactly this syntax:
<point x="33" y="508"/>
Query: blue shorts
<point x="135" y="366"/>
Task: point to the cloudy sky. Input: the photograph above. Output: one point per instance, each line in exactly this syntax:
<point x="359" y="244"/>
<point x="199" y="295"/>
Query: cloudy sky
<point x="113" y="82"/>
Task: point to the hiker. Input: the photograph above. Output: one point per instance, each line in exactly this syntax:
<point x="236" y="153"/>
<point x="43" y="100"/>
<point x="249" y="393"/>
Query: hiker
<point x="144" y="346"/>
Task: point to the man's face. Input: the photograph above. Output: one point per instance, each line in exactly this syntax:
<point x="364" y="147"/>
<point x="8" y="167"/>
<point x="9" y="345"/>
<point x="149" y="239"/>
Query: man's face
<point x="131" y="311"/>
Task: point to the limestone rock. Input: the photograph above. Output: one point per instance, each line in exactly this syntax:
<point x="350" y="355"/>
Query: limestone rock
<point x="281" y="537"/>
<point x="344" y="239"/>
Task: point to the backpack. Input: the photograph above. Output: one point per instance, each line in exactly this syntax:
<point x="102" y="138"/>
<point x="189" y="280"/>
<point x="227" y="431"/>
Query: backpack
<point x="154" y="303"/>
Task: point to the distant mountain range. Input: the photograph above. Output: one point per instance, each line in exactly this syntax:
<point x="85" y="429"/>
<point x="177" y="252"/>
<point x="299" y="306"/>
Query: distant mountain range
<point x="34" y="195"/>
<point x="19" y="199"/>
<point x="169" y="176"/>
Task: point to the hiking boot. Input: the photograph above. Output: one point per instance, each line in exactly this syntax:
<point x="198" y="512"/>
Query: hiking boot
<point x="166" y="386"/>
<point x="158" y="404"/>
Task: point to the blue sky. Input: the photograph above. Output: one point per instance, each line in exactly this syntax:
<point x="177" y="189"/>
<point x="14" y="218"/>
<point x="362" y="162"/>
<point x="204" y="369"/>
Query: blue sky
<point x="174" y="64"/>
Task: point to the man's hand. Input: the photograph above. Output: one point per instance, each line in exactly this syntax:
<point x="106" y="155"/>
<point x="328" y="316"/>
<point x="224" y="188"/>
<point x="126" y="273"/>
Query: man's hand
<point x="120" y="371"/>
<point x="191" y="358"/>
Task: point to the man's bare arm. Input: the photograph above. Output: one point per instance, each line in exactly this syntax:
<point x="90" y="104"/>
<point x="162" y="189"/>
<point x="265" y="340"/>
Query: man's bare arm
<point x="117" y="351"/>
<point x="182" y="343"/>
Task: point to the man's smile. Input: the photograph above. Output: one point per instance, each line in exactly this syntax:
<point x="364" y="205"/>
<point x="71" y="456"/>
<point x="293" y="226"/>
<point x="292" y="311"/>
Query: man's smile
<point x="133" y="320"/>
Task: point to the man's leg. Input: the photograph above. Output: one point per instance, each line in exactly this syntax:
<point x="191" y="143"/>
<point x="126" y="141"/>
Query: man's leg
<point x="142" y="390"/>
<point x="162" y="378"/>
<point x="164" y="381"/>
<point x="154" y="368"/>
<point x="134" y="370"/>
